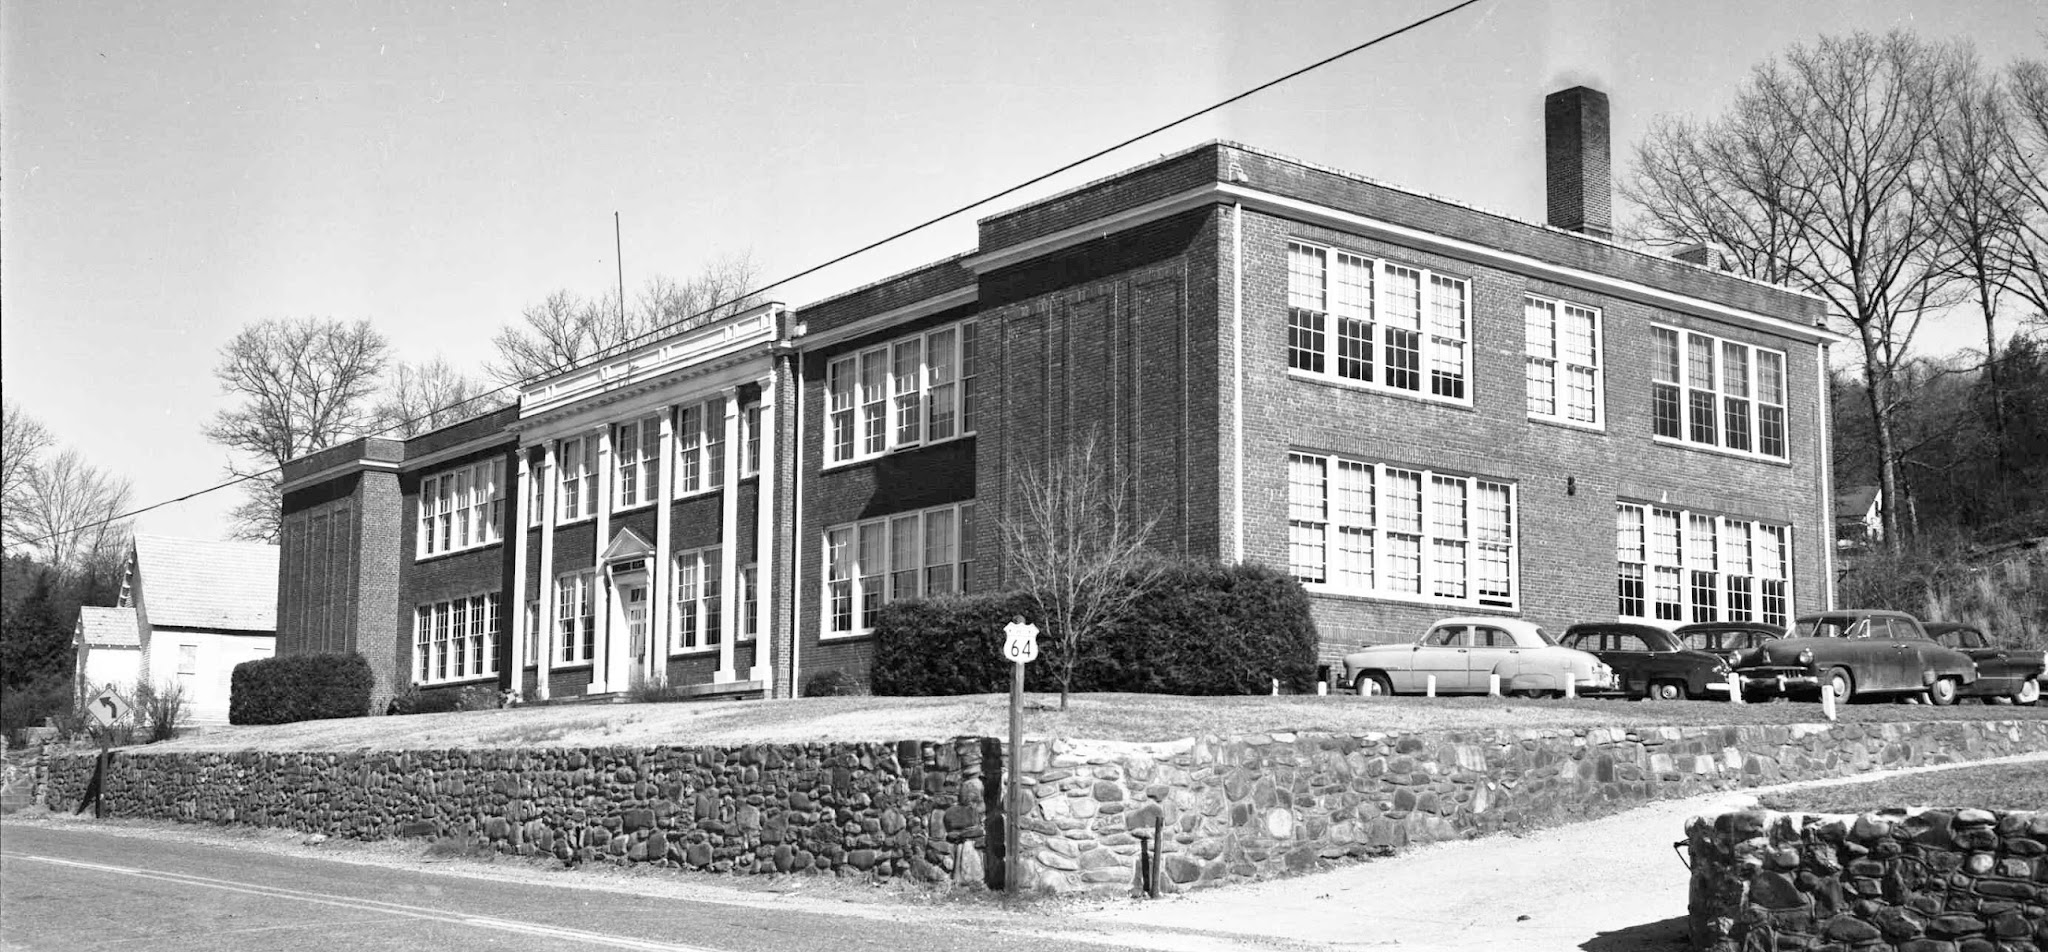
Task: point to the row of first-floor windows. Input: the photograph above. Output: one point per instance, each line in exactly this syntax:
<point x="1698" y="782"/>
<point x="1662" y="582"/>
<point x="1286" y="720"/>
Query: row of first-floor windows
<point x="911" y="555"/>
<point x="696" y="622"/>
<point x="1363" y="528"/>
<point x="456" y="640"/>
<point x="1674" y="565"/>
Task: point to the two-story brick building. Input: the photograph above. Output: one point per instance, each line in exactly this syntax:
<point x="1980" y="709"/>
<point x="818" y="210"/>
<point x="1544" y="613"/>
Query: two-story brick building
<point x="1418" y="407"/>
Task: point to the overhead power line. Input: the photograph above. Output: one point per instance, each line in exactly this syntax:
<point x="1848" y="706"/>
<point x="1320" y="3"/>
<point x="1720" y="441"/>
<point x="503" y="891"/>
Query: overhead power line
<point x="813" y="269"/>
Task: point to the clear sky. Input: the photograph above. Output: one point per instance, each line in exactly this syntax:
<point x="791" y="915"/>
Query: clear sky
<point x="172" y="172"/>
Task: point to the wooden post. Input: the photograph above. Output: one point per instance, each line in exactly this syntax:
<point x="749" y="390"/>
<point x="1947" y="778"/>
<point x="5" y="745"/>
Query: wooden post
<point x="1158" y="865"/>
<point x="1827" y="698"/>
<point x="1571" y="686"/>
<point x="1429" y="686"/>
<point x="1735" y="688"/>
<point x="1493" y="685"/>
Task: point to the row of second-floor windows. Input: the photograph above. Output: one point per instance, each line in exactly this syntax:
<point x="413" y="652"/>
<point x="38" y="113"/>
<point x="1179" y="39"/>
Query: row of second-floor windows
<point x="634" y="468"/>
<point x="1363" y="528"/>
<point x="911" y="391"/>
<point x="1675" y="565"/>
<point x="1386" y="326"/>
<point x="456" y="640"/>
<point x="462" y="508"/>
<point x="910" y="555"/>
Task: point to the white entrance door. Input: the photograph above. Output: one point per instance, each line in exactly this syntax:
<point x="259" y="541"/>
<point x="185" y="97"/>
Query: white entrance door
<point x="636" y="622"/>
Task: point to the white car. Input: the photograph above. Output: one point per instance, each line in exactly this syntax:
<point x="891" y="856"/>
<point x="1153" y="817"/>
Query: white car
<point x="1464" y="653"/>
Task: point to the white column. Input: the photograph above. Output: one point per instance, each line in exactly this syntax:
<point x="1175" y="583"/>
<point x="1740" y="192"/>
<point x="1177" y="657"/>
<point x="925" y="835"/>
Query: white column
<point x="551" y="481"/>
<point x="728" y="539"/>
<point x="517" y="610"/>
<point x="764" y="542"/>
<point x="659" y="574"/>
<point x="606" y="671"/>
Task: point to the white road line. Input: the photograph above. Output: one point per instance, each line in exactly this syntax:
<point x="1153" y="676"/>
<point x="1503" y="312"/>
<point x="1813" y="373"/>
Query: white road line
<point x="373" y="905"/>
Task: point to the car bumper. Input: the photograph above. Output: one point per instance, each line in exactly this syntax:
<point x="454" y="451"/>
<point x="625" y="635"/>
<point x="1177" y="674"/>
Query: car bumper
<point x="1779" y="680"/>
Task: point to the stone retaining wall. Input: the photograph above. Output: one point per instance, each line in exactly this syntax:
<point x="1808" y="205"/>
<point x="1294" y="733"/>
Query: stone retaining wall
<point x="1929" y="881"/>
<point x="1252" y="807"/>
<point x="915" y="808"/>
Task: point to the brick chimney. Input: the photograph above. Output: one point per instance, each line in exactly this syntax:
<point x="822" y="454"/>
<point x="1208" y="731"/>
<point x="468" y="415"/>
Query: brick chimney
<point x="1576" y="161"/>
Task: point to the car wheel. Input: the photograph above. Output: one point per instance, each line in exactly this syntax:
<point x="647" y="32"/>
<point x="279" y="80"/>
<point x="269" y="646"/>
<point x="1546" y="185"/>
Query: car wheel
<point x="2028" y="693"/>
<point x="1667" y="691"/>
<point x="1942" y="692"/>
<point x="1369" y="684"/>
<point x="1843" y="682"/>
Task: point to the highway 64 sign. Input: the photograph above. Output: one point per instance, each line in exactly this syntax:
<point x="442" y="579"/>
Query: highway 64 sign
<point x="108" y="708"/>
<point x="1020" y="642"/>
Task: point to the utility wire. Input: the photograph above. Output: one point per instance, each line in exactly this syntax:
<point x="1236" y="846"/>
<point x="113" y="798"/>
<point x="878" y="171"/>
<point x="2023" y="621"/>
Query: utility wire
<point x="636" y="340"/>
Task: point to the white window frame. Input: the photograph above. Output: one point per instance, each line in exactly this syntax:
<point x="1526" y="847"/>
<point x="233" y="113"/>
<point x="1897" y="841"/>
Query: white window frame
<point x="698" y="615"/>
<point x="573" y="632"/>
<point x="1551" y="364"/>
<point x="537" y="476"/>
<point x="750" y="601"/>
<point x="1320" y="302"/>
<point x="456" y="640"/>
<point x="917" y="554"/>
<point x="750" y="440"/>
<point x="700" y="448"/>
<point x="894" y="396"/>
<point x="1709" y="561"/>
<point x="1353" y="531"/>
<point x="642" y="467"/>
<point x="576" y="476"/>
<point x="461" y="509"/>
<point x="1731" y="396"/>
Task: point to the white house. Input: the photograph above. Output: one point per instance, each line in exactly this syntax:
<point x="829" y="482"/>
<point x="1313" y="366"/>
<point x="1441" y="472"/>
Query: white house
<point x="201" y="608"/>
<point x="1859" y="516"/>
<point x="108" y="648"/>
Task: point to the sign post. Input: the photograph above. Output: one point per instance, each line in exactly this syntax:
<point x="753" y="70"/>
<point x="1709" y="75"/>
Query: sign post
<point x="106" y="709"/>
<point x="1020" y="645"/>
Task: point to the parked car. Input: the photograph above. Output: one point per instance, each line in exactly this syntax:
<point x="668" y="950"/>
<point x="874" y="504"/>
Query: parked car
<point x="1732" y="640"/>
<point x="2001" y="672"/>
<point x="1861" y="652"/>
<point x="1650" y="662"/>
<point x="1463" y="654"/>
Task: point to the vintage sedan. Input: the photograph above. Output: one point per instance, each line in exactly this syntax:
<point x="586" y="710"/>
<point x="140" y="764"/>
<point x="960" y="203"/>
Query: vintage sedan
<point x="1650" y="662"/>
<point x="1733" y="640"/>
<point x="1861" y="653"/>
<point x="2002" y="673"/>
<point x="1463" y="654"/>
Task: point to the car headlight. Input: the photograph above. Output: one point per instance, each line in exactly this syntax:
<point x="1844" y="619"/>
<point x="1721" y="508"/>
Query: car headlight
<point x="1806" y="656"/>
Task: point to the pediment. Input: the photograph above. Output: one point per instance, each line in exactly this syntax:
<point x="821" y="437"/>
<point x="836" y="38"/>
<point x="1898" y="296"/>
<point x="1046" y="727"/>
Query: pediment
<point x="627" y="545"/>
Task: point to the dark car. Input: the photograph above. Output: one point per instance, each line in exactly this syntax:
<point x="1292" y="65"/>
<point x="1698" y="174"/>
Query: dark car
<point x="1860" y="652"/>
<point x="1651" y="662"/>
<point x="1733" y="640"/>
<point x="2001" y="672"/>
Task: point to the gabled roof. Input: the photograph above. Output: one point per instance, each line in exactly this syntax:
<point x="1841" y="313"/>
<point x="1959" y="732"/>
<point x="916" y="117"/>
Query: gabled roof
<point x="190" y="583"/>
<point x="108" y="628"/>
<point x="1855" y="501"/>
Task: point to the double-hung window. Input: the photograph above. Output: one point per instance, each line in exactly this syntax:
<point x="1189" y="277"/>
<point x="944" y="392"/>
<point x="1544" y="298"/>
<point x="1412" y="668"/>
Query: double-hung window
<point x="1362" y="528"/>
<point x="636" y="463"/>
<point x="750" y="437"/>
<point x="911" y="391"/>
<point x="575" y="617"/>
<point x="462" y="508"/>
<point x="1378" y="324"/>
<point x="700" y="447"/>
<point x="576" y="465"/>
<point x="456" y="640"/>
<point x="1563" y="361"/>
<point x="537" y="490"/>
<point x="750" y="601"/>
<point x="910" y="555"/>
<point x="1699" y="567"/>
<point x="1719" y="393"/>
<point x="699" y="613"/>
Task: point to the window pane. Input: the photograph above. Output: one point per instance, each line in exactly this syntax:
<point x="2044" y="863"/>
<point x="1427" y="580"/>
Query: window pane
<point x="840" y="406"/>
<point x="712" y="578"/>
<point x="1403" y="318"/>
<point x="873" y="562"/>
<point x="970" y="398"/>
<point x="874" y="400"/>
<point x="1447" y="337"/>
<point x="1306" y="514"/>
<point x="839" y="578"/>
<point x="943" y="391"/>
<point x="908" y="380"/>
<point x="690" y="450"/>
<point x="903" y="557"/>
<point x="1351" y="306"/>
<point x="1401" y="515"/>
<point x="938" y="552"/>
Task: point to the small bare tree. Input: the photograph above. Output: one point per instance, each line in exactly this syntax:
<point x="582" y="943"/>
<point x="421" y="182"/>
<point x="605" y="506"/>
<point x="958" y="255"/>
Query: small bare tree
<point x="428" y="396"/>
<point x="1078" y="547"/>
<point x="67" y="512"/>
<point x="566" y="329"/>
<point x="25" y="438"/>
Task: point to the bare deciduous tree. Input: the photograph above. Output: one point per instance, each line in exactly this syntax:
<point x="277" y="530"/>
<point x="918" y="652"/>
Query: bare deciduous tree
<point x="67" y="511"/>
<point x="567" y="329"/>
<point x="22" y="441"/>
<point x="2027" y="156"/>
<point x="1077" y="545"/>
<point x="1813" y="178"/>
<point x="422" y="397"/>
<point x="305" y="385"/>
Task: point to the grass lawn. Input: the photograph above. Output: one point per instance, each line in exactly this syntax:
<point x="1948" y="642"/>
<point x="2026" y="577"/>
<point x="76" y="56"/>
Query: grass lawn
<point x="1985" y="787"/>
<point x="1112" y="717"/>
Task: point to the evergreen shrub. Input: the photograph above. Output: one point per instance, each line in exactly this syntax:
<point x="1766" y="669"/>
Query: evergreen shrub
<point x="291" y="688"/>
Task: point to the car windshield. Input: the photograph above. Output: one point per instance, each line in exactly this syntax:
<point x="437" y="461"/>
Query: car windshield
<point x="1824" y="627"/>
<point x="1703" y="640"/>
<point x="1540" y="633"/>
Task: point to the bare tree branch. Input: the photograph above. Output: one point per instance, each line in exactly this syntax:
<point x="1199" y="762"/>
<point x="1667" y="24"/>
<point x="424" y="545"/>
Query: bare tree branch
<point x="24" y="440"/>
<point x="566" y="329"/>
<point x="428" y="396"/>
<point x="67" y="506"/>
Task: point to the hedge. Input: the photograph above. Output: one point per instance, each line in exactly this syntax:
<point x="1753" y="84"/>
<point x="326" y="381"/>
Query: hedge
<point x="1203" y="629"/>
<point x="291" y="688"/>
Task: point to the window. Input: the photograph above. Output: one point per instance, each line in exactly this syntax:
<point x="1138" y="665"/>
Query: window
<point x="575" y="617"/>
<point x="750" y="602"/>
<point x="700" y="447"/>
<point x="1732" y="395"/>
<point x="636" y="463"/>
<point x="456" y="640"/>
<point x="534" y="635"/>
<point x="462" y="508"/>
<point x="1700" y="567"/>
<point x="698" y="619"/>
<point x="537" y="490"/>
<point x="1563" y="361"/>
<point x="912" y="391"/>
<point x="1369" y="529"/>
<point x="575" y="464"/>
<point x="1375" y="323"/>
<point x="911" y="555"/>
<point x="750" y="437"/>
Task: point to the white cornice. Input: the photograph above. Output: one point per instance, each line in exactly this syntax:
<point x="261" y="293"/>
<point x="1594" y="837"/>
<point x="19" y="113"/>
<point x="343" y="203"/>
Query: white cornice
<point x="1283" y="206"/>
<point x="339" y="469"/>
<point x="944" y="301"/>
<point x="690" y="350"/>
